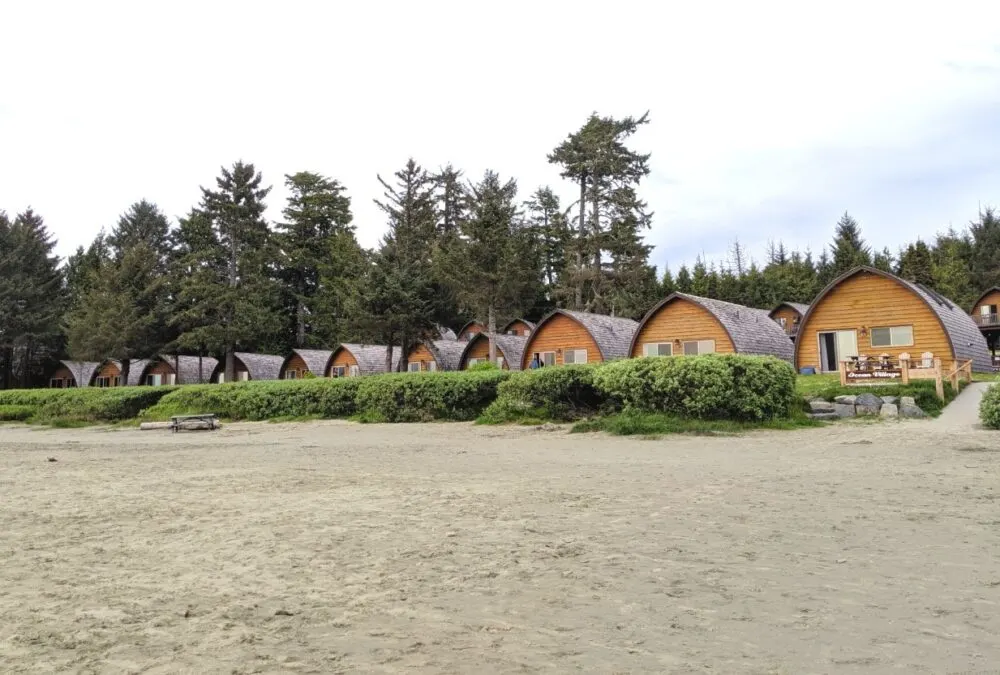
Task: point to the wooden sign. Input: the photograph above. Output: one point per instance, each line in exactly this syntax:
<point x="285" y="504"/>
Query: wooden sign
<point x="884" y="374"/>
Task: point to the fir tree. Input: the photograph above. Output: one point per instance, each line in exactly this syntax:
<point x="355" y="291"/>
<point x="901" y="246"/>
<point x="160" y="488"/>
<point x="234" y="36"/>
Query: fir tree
<point x="667" y="283"/>
<point x="985" y="258"/>
<point x="551" y="230"/>
<point x="849" y="249"/>
<point x="684" y="283"/>
<point x="916" y="264"/>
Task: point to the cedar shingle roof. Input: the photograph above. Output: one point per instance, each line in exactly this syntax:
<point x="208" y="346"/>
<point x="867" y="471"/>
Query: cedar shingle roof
<point x="316" y="360"/>
<point x="185" y="367"/>
<point x="510" y="347"/>
<point x="967" y="341"/>
<point x="447" y="353"/>
<point x="797" y="306"/>
<point x="612" y="334"/>
<point x="446" y="333"/>
<point x="83" y="371"/>
<point x="752" y="331"/>
<point x="260" y="366"/>
<point x="371" y="358"/>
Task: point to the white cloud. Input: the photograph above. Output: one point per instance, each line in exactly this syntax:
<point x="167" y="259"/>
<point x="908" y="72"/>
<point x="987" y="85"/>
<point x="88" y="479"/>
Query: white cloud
<point x="768" y="119"/>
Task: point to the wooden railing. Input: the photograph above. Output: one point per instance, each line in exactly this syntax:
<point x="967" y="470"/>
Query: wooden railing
<point x="874" y="372"/>
<point x="987" y="320"/>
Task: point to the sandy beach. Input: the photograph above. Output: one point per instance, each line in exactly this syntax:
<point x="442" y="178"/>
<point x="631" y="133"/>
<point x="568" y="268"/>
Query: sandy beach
<point x="333" y="547"/>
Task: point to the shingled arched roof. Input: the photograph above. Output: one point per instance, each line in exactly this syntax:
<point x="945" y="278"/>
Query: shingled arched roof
<point x="482" y="328"/>
<point x="447" y="353"/>
<point x="184" y="367"/>
<point x="966" y="340"/>
<point x="83" y="371"/>
<point x="797" y="306"/>
<point x="752" y="331"/>
<point x="511" y="348"/>
<point x="370" y="358"/>
<point x="995" y="289"/>
<point x="136" y="369"/>
<point x="611" y="334"/>
<point x="260" y="366"/>
<point x="510" y="323"/>
<point x="316" y="360"/>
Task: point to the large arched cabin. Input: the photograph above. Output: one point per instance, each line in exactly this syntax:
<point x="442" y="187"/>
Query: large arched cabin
<point x="519" y="327"/>
<point x="436" y="355"/>
<point x="353" y="360"/>
<point x="71" y="374"/>
<point x="167" y="369"/>
<point x="566" y="337"/>
<point x="304" y="362"/>
<point x="251" y="367"/>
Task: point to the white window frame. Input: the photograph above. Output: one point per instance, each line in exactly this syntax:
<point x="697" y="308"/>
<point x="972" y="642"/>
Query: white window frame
<point x="291" y="374"/>
<point x="243" y="376"/>
<point x="474" y="362"/>
<point x="893" y="336"/>
<point x="543" y="358"/>
<point x="654" y="347"/>
<point x="432" y="366"/>
<point x="354" y="371"/>
<point x="702" y="347"/>
<point x="500" y="362"/>
<point x="411" y="369"/>
<point x="576" y="357"/>
<point x="338" y="371"/>
<point x="171" y="379"/>
<point x="154" y="380"/>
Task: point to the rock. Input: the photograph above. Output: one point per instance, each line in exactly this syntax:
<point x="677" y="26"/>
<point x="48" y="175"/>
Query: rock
<point x="821" y="406"/>
<point x="869" y="400"/>
<point x="889" y="410"/>
<point x="890" y="399"/>
<point x="844" y="409"/>
<point x="908" y="401"/>
<point x="846" y="400"/>
<point x="283" y="612"/>
<point x="53" y="459"/>
<point x="824" y="416"/>
<point x="911" y="411"/>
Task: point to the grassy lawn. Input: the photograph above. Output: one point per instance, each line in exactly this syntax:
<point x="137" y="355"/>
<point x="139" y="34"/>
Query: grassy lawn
<point x="813" y="385"/>
<point x="659" y="424"/>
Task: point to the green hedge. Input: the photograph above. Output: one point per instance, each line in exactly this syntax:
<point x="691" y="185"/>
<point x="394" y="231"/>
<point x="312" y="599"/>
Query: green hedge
<point x="564" y="393"/>
<point x="716" y="387"/>
<point x="16" y="413"/>
<point x="320" y="397"/>
<point x="989" y="408"/>
<point x="85" y="405"/>
<point x="413" y="397"/>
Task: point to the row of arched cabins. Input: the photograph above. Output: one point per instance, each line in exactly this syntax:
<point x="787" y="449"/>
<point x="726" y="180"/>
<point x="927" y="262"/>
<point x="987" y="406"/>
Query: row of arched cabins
<point x="865" y="312"/>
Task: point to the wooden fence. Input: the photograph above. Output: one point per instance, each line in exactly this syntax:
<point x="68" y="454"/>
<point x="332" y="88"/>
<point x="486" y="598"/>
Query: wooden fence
<point x="861" y="373"/>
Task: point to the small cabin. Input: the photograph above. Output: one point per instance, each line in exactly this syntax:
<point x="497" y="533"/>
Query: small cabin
<point x="871" y="314"/>
<point x="109" y="374"/>
<point x="689" y="325"/>
<point x="789" y="315"/>
<point x="466" y="332"/>
<point x="984" y="313"/>
<point x="436" y="355"/>
<point x="72" y="374"/>
<point x="510" y="351"/>
<point x="518" y="327"/>
<point x="353" y="360"/>
<point x="566" y="337"/>
<point x="170" y="369"/>
<point x="250" y="367"/>
<point x="304" y="363"/>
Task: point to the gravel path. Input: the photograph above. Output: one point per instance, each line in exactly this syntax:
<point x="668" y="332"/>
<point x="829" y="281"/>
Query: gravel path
<point x="963" y="413"/>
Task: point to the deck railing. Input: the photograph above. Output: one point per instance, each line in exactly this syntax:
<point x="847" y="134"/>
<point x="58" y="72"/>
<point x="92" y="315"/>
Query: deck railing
<point x="987" y="320"/>
<point x="871" y="371"/>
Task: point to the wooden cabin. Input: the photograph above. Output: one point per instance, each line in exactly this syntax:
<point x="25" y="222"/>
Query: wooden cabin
<point x="789" y="315"/>
<point x="250" y="367"/>
<point x="565" y="337"/>
<point x="986" y="316"/>
<point x="870" y="313"/>
<point x="304" y="362"/>
<point x="170" y="369"/>
<point x="518" y="327"/>
<point x="353" y="360"/>
<point x="72" y="374"/>
<point x="510" y="351"/>
<point x="466" y="332"/>
<point x="688" y="325"/>
<point x="436" y="355"/>
<point x="109" y="374"/>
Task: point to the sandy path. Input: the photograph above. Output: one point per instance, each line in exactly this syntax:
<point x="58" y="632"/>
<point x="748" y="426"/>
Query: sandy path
<point x="963" y="413"/>
<point x="458" y="549"/>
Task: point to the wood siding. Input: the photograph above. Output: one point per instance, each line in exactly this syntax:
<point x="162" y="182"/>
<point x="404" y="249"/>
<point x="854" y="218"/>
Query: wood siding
<point x="238" y="368"/>
<point x="295" y="363"/>
<point x="990" y="299"/>
<point x="683" y="320"/>
<point x="519" y="328"/>
<point x="422" y="355"/>
<point x="480" y="349"/>
<point x="558" y="334"/>
<point x="789" y="315"/>
<point x="474" y="329"/>
<point x="869" y="301"/>
<point x="65" y="374"/>
<point x="344" y="359"/>
<point x="161" y="368"/>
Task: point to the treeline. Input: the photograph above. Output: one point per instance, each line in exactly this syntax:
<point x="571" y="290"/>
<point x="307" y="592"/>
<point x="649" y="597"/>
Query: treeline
<point x="223" y="278"/>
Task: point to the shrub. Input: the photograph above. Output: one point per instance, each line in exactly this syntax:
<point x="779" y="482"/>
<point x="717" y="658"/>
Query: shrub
<point x="564" y="393"/>
<point x="254" y="401"/>
<point x="86" y="404"/>
<point x="483" y="365"/>
<point x="16" y="413"/>
<point x="731" y="386"/>
<point x="411" y="397"/>
<point x="989" y="408"/>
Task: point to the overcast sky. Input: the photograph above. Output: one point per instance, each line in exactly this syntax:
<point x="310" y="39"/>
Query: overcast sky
<point x="769" y="119"/>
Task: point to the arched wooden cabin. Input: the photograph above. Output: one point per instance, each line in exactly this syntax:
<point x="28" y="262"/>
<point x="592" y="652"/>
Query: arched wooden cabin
<point x="870" y="312"/>
<point x="352" y="360"/>
<point x="167" y="369"/>
<point x="303" y="362"/>
<point x="789" y="315"/>
<point x="437" y="355"/>
<point x="251" y="367"/>
<point x="71" y="374"/>
<point x="466" y="332"/>
<point x="566" y="337"/>
<point x="986" y="315"/>
<point x="510" y="351"/>
<point x="518" y="327"/>
<point x="109" y="373"/>
<point x="684" y="324"/>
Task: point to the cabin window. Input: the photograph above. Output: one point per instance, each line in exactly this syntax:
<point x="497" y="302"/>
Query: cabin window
<point x="171" y="378"/>
<point x="337" y="371"/>
<point x="547" y="358"/>
<point x="574" y="356"/>
<point x="222" y="378"/>
<point x="106" y="382"/>
<point x="243" y="376"/>
<point x="657" y="349"/>
<point x="154" y="380"/>
<point x="892" y="336"/>
<point x="500" y="362"/>
<point x="782" y="321"/>
<point x="512" y="332"/>
<point x="291" y="374"/>
<point x="474" y="362"/>
<point x="355" y="371"/>
<point x="696" y="347"/>
<point x="432" y="366"/>
<point x="57" y="383"/>
<point x="413" y="367"/>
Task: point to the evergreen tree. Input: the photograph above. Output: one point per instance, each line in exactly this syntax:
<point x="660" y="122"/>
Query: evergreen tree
<point x="31" y="297"/>
<point x="952" y="260"/>
<point x="699" y="278"/>
<point x="667" y="284"/>
<point x="684" y="283"/>
<point x="883" y="260"/>
<point x="551" y="230"/>
<point x="317" y="249"/>
<point x="916" y="264"/>
<point x="985" y="258"/>
<point x="849" y="249"/>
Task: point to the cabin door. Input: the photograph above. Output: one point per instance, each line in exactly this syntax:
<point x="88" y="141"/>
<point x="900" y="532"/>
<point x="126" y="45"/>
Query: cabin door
<point x="835" y="347"/>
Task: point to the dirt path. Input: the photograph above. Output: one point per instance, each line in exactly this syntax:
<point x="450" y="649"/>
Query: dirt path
<point x="963" y="413"/>
<point x="331" y="547"/>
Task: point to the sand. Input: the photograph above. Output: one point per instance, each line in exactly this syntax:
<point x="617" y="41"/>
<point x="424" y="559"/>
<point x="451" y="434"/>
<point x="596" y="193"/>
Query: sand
<point x="333" y="547"/>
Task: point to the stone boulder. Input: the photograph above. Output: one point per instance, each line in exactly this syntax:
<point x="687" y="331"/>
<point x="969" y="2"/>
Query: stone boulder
<point x="820" y="406"/>
<point x="889" y="410"/>
<point x="911" y="411"/>
<point x="846" y="400"/>
<point x="890" y="399"/>
<point x="844" y="409"/>
<point x="868" y="404"/>
<point x="908" y="401"/>
<point x="824" y="416"/>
